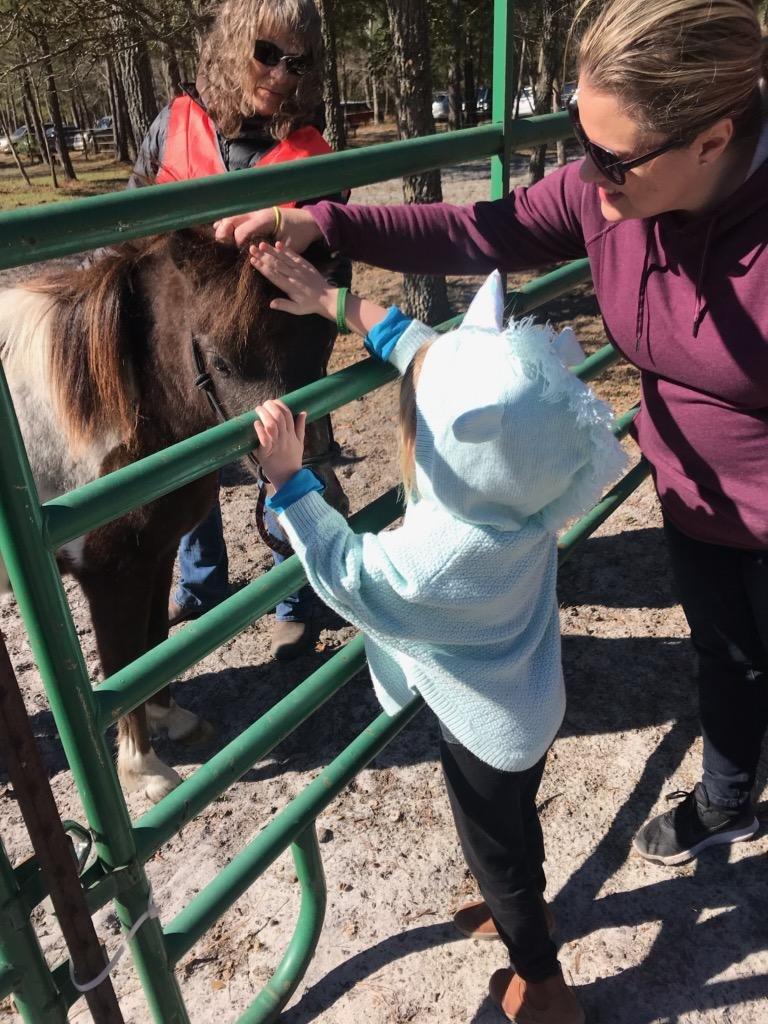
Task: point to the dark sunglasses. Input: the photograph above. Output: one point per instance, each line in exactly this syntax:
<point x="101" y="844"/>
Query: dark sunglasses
<point x="270" y="55"/>
<point x="608" y="163"/>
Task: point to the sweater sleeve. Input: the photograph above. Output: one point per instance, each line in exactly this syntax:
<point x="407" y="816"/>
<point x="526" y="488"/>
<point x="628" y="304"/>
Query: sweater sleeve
<point x="357" y="575"/>
<point x="531" y="227"/>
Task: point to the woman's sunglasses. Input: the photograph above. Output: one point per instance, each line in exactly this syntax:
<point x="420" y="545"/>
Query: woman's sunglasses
<point x="608" y="163"/>
<point x="270" y="55"/>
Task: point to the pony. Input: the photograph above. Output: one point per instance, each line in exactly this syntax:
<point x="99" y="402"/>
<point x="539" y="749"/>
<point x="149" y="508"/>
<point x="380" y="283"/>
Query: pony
<point x="102" y="363"/>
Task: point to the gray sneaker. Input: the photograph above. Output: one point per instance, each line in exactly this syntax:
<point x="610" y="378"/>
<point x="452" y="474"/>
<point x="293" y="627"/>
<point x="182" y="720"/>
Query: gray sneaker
<point x="682" y="833"/>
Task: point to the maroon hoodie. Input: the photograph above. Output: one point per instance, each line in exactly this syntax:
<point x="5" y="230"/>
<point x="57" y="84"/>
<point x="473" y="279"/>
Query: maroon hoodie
<point x="685" y="301"/>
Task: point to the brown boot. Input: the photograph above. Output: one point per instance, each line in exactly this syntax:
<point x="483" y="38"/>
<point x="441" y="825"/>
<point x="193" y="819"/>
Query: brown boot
<point x="474" y="920"/>
<point x="178" y="613"/>
<point x="535" y="1002"/>
<point x="290" y="639"/>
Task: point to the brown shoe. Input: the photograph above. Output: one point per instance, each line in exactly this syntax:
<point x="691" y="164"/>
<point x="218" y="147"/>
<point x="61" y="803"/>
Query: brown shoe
<point x="535" y="1002"/>
<point x="290" y="639"/>
<point x="178" y="613"/>
<point x="474" y="920"/>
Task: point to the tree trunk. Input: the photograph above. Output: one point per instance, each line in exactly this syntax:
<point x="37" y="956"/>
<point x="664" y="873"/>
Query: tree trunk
<point x="455" y="119"/>
<point x="554" y="18"/>
<point x="335" y="128"/>
<point x="35" y="120"/>
<point x="470" y="86"/>
<point x="425" y="297"/>
<point x="117" y="109"/>
<point x="135" y="77"/>
<point x="173" y="72"/>
<point x="7" y="130"/>
<point x="29" y="121"/>
<point x="45" y="146"/>
<point x="52" y="96"/>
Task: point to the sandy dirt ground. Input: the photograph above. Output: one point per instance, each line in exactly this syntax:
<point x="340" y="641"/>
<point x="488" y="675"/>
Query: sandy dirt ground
<point x="643" y="943"/>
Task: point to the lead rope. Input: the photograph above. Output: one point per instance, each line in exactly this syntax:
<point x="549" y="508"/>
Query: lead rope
<point x="277" y="544"/>
<point x="204" y="382"/>
<point x="152" y="911"/>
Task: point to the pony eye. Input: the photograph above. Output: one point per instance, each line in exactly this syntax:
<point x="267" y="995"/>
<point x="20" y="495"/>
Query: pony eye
<point x="221" y="365"/>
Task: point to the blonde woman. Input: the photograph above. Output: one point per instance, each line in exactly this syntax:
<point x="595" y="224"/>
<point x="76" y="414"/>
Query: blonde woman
<point x="255" y="102"/>
<point x="670" y="205"/>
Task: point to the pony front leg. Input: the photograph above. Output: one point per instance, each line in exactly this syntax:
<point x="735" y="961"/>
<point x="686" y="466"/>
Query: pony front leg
<point x="120" y="604"/>
<point x="163" y="713"/>
<point x="138" y="766"/>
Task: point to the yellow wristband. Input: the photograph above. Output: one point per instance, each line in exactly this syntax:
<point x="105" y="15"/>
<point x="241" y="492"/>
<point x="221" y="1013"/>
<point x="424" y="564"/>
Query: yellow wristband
<point x="278" y="220"/>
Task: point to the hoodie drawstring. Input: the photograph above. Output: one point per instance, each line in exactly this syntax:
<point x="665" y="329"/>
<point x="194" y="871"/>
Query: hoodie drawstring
<point x="699" y="308"/>
<point x="645" y="274"/>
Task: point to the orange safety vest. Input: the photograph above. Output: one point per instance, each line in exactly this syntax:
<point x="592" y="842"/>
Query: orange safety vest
<point x="192" y="145"/>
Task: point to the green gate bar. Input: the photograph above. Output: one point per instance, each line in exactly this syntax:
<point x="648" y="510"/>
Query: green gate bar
<point x="298" y="956"/>
<point x="233" y="880"/>
<point x="59" y="229"/>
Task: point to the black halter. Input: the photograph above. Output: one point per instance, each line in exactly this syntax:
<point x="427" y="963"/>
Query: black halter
<point x="204" y="382"/>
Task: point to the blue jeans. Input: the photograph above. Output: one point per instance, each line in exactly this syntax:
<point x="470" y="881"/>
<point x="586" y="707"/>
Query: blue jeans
<point x="204" y="570"/>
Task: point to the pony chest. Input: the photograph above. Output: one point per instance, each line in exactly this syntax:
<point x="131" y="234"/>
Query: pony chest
<point x="56" y="466"/>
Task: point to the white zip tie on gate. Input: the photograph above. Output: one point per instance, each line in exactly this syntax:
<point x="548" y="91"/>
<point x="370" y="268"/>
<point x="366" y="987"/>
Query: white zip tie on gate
<point x="152" y="911"/>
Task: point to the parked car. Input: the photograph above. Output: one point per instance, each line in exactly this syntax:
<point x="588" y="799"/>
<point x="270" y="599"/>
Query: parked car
<point x="440" y="107"/>
<point x="356" y="112"/>
<point x="19" y="138"/>
<point x="100" y="134"/>
<point x="565" y="94"/>
<point x="70" y="131"/>
<point x="483" y="99"/>
<point x="524" y="106"/>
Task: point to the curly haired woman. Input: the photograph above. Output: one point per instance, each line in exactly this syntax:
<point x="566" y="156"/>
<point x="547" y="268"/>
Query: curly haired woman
<point x="255" y="102"/>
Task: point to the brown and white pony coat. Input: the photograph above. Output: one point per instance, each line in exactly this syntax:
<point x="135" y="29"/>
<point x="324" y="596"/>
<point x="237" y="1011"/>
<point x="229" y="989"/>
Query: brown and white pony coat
<point x="101" y="369"/>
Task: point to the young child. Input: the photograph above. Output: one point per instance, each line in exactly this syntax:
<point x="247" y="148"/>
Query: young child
<point x="500" y="444"/>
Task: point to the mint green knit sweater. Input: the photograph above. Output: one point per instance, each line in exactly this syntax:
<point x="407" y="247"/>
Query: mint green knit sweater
<point x="459" y="603"/>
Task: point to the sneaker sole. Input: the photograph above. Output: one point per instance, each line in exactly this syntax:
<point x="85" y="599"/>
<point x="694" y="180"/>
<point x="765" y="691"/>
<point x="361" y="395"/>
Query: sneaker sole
<point x="734" y="836"/>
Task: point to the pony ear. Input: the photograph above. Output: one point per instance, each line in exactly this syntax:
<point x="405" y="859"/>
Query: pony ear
<point x="487" y="307"/>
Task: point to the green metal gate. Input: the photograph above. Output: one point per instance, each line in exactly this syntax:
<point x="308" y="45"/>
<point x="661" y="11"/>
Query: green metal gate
<point x="31" y="532"/>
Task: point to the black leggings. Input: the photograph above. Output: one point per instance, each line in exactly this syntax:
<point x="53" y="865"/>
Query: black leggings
<point x="724" y="594"/>
<point x="498" y="825"/>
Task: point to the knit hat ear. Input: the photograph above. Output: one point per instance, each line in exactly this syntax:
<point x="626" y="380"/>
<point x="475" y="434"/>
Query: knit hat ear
<point x="487" y="307"/>
<point x="478" y="425"/>
<point x="567" y="348"/>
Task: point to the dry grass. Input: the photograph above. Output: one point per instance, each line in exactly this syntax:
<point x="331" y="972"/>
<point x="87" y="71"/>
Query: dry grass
<point x="94" y="176"/>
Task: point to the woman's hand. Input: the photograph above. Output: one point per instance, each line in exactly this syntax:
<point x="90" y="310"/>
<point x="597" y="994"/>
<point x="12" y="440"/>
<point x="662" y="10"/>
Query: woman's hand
<point x="281" y="441"/>
<point x="297" y="227"/>
<point x="305" y="286"/>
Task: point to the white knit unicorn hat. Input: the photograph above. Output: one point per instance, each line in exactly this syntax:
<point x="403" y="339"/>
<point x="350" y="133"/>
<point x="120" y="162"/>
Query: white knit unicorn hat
<point x="505" y="432"/>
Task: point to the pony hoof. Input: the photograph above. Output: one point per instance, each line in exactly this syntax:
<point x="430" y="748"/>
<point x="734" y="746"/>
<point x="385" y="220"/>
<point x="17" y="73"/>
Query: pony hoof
<point x="177" y="723"/>
<point x="160" y="786"/>
<point x="202" y="733"/>
<point x="148" y="773"/>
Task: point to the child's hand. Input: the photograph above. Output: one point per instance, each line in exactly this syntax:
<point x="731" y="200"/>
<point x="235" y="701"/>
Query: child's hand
<point x="281" y="441"/>
<point x="305" y="286"/>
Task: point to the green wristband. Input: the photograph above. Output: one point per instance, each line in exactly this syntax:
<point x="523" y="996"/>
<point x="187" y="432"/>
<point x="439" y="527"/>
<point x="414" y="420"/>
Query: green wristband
<point x="341" y="310"/>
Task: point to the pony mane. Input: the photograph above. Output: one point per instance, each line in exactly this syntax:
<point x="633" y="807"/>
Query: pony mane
<point x="89" y="357"/>
<point x="95" y="311"/>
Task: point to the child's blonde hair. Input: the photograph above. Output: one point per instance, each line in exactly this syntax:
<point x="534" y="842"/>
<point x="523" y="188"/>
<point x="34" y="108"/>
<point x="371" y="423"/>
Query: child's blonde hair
<point x="407" y="421"/>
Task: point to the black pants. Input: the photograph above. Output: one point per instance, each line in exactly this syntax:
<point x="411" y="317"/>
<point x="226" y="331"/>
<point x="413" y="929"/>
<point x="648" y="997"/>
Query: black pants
<point x="724" y="594"/>
<point x="498" y="825"/>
